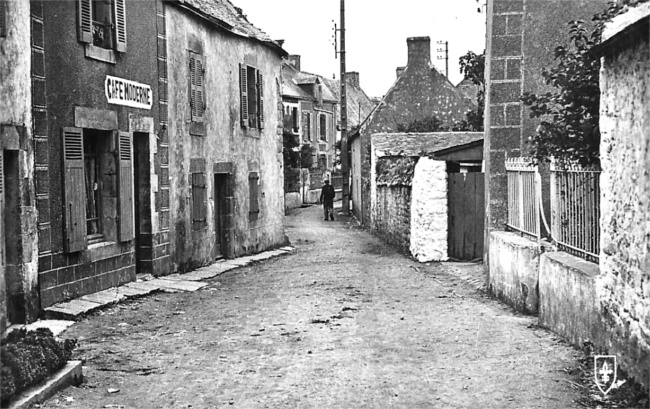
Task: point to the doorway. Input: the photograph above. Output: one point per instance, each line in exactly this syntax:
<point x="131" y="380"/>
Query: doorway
<point x="466" y="215"/>
<point x="142" y="203"/>
<point x="220" y="186"/>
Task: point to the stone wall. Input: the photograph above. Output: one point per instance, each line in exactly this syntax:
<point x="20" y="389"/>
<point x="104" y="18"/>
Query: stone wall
<point x="429" y="211"/>
<point x="392" y="218"/>
<point x="624" y="285"/>
<point x="514" y="271"/>
<point x="19" y="302"/>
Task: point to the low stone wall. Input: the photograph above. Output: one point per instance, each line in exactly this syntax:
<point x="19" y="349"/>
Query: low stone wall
<point x="392" y="221"/>
<point x="292" y="200"/>
<point x="429" y="211"/>
<point x="514" y="271"/>
<point x="568" y="302"/>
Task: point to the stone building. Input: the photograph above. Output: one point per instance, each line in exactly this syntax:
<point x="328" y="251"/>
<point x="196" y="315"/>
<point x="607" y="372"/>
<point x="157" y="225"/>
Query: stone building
<point x="310" y="111"/>
<point x="624" y="281"/>
<point x="18" y="224"/>
<point x="226" y="194"/>
<point x="100" y="144"/>
<point x="142" y="138"/>
<point x="420" y="91"/>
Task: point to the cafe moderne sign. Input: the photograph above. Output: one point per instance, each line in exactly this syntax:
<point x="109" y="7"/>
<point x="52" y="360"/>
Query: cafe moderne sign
<point x="128" y="93"/>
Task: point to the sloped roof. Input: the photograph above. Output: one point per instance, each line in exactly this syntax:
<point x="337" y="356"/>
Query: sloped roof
<point x="224" y="14"/>
<point x="417" y="144"/>
<point x="359" y="104"/>
<point x="292" y="79"/>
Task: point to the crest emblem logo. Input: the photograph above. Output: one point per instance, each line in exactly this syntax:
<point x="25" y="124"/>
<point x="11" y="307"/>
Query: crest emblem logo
<point x="605" y="372"/>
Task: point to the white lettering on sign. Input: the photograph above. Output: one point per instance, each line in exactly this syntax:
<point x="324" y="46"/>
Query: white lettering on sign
<point x="129" y="93"/>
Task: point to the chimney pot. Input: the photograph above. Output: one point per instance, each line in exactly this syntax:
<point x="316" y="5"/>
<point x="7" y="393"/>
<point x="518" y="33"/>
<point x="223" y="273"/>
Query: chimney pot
<point x="400" y="71"/>
<point x="295" y="61"/>
<point x="419" y="50"/>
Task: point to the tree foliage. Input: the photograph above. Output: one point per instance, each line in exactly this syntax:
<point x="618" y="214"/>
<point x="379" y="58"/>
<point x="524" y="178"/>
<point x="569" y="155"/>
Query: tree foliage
<point x="290" y="153"/>
<point x="569" y="115"/>
<point x="472" y="66"/>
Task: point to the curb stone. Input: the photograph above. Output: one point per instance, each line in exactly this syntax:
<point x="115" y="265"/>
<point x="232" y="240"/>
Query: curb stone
<point x="71" y="374"/>
<point x="188" y="282"/>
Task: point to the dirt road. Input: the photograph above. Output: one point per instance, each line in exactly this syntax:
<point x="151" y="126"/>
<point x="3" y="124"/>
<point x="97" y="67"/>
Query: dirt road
<point x="344" y="322"/>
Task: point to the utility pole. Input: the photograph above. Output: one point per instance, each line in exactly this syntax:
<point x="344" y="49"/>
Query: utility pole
<point x="444" y="57"/>
<point x="344" y="119"/>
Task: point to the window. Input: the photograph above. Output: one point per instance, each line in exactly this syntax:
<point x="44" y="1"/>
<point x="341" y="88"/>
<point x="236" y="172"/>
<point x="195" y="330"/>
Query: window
<point x="102" y="24"/>
<point x="295" y="119"/>
<point x="306" y="125"/>
<point x="98" y="205"/>
<point x="323" y="127"/>
<point x="3" y="18"/>
<point x="197" y="94"/>
<point x="253" y="193"/>
<point x="251" y="87"/>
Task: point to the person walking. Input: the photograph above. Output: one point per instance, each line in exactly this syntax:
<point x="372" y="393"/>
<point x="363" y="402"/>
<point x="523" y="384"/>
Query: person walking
<point x="327" y="199"/>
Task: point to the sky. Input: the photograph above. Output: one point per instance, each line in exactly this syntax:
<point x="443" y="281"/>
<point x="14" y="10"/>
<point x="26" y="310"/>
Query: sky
<point x="376" y="33"/>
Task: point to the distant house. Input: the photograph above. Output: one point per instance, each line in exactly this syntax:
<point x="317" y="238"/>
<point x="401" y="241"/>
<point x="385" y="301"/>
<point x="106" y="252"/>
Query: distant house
<point x="419" y="92"/>
<point x="310" y="109"/>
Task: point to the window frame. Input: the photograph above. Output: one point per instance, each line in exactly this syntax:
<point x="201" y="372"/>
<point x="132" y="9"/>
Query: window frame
<point x="85" y="27"/>
<point x="322" y="127"/>
<point x="251" y="97"/>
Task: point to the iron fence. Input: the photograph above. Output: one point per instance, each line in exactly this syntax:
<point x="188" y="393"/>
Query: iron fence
<point x="523" y="199"/>
<point x="575" y="209"/>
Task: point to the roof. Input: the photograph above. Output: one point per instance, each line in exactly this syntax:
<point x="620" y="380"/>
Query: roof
<point x="292" y="79"/>
<point x="418" y="144"/>
<point x="225" y="15"/>
<point x="631" y="24"/>
<point x="359" y="104"/>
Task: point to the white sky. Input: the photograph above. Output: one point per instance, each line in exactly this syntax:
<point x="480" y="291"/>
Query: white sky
<point x="376" y="33"/>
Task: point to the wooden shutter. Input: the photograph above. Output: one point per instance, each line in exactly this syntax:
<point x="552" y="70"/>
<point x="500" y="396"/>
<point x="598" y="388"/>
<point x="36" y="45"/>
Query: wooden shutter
<point x="192" y="71"/>
<point x="196" y="87"/>
<point x="120" y="24"/>
<point x="260" y="98"/>
<point x="85" y="23"/>
<point x="74" y="191"/>
<point x="253" y="185"/>
<point x="243" y="94"/>
<point x="125" y="191"/>
<point x="199" y="205"/>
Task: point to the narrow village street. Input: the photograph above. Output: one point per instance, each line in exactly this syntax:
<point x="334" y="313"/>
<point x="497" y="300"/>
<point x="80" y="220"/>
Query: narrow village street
<point x="343" y="322"/>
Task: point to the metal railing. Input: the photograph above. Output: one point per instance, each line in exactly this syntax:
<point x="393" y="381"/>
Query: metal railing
<point x="575" y="209"/>
<point x="523" y="198"/>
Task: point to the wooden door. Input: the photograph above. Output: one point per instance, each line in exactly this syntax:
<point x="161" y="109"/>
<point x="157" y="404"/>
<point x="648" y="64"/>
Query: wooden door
<point x="220" y="180"/>
<point x="466" y="215"/>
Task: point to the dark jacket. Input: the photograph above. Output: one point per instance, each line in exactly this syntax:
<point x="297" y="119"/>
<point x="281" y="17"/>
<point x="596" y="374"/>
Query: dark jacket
<point x="327" y="193"/>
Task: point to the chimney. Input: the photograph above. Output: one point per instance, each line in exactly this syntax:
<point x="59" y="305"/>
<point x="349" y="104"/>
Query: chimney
<point x="352" y="79"/>
<point x="400" y="71"/>
<point x="295" y="61"/>
<point x="280" y="42"/>
<point x="419" y="51"/>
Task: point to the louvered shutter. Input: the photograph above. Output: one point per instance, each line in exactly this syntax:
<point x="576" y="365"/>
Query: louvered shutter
<point x="253" y="192"/>
<point x="120" y="24"/>
<point x="192" y="71"/>
<point x="125" y="191"/>
<point x="196" y="87"/>
<point x="199" y="205"/>
<point x="260" y="98"/>
<point x="243" y="94"/>
<point x="85" y="27"/>
<point x="2" y="210"/>
<point x="74" y="200"/>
